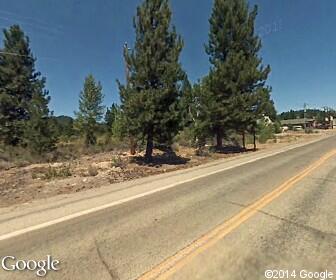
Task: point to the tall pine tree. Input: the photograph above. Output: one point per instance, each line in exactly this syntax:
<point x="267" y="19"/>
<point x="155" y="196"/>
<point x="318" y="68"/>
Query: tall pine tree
<point x="91" y="109"/>
<point x="237" y="77"/>
<point x="151" y="96"/>
<point x="203" y="106"/>
<point x="39" y="129"/>
<point x="24" y="113"/>
<point x="110" y="116"/>
<point x="17" y="79"/>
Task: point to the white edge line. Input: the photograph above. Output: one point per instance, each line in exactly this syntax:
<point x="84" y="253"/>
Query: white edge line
<point x="124" y="200"/>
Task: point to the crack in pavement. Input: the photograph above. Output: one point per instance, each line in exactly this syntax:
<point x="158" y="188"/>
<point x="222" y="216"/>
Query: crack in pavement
<point x="311" y="229"/>
<point x="111" y="272"/>
<point x="302" y="226"/>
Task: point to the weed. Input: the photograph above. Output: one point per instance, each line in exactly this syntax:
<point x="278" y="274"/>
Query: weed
<point x="117" y="161"/>
<point x="56" y="172"/>
<point x="92" y="171"/>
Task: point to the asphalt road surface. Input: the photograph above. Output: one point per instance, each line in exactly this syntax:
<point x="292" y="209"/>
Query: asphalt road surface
<point x="275" y="213"/>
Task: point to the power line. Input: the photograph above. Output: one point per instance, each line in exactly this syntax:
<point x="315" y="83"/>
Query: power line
<point x="52" y="29"/>
<point x="28" y="19"/>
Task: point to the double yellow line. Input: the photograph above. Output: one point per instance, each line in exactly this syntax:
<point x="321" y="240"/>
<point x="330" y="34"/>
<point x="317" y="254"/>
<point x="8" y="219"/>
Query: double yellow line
<point x="184" y="256"/>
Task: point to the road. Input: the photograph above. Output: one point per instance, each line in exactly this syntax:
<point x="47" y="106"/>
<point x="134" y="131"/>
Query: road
<point x="241" y="229"/>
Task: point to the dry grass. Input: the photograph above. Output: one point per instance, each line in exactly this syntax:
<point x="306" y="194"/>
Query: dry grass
<point x="118" y="162"/>
<point x="51" y="172"/>
<point x="41" y="180"/>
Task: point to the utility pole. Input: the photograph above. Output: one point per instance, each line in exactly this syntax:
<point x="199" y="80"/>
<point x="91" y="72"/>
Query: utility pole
<point x="304" y="115"/>
<point x="326" y="119"/>
<point x="127" y="76"/>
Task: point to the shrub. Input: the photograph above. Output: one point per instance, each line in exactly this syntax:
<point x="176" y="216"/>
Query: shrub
<point x="20" y="156"/>
<point x="92" y="171"/>
<point x="186" y="137"/>
<point x="56" y="172"/>
<point x="277" y="127"/>
<point x="309" y="130"/>
<point x="202" y="151"/>
<point x="117" y="161"/>
<point x="67" y="151"/>
<point x="265" y="132"/>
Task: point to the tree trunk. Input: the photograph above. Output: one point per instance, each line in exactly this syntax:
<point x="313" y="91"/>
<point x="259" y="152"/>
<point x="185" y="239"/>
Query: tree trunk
<point x="149" y="148"/>
<point x="219" y="140"/>
<point x="132" y="146"/>
<point x="244" y="142"/>
<point x="254" y="140"/>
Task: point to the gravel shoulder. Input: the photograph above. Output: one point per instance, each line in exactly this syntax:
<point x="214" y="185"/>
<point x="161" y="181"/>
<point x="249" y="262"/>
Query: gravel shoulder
<point x="20" y="185"/>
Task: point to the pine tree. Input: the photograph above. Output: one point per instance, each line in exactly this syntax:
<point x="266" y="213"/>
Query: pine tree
<point x="262" y="105"/>
<point x="91" y="109"/>
<point x="197" y="105"/>
<point x="186" y="104"/>
<point x="237" y="77"/>
<point x="64" y="127"/>
<point x="119" y="124"/>
<point x="17" y="79"/>
<point x="151" y="96"/>
<point x="115" y="121"/>
<point x="39" y="130"/>
<point x="110" y="116"/>
<point x="24" y="113"/>
<point x="255" y="99"/>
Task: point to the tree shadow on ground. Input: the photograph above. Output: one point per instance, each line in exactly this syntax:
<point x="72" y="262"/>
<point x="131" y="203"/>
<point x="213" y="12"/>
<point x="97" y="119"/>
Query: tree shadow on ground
<point x="168" y="158"/>
<point x="231" y="149"/>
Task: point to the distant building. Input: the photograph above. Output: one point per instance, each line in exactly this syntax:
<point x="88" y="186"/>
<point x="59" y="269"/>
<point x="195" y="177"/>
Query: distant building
<point x="304" y="122"/>
<point x="266" y="120"/>
<point x="329" y="123"/>
<point x="333" y="123"/>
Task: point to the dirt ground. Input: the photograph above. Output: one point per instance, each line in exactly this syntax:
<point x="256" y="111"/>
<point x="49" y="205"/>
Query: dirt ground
<point x="37" y="181"/>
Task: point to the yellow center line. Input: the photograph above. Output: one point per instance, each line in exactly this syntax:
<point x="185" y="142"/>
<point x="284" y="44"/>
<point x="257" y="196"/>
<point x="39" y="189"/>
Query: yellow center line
<point x="172" y="264"/>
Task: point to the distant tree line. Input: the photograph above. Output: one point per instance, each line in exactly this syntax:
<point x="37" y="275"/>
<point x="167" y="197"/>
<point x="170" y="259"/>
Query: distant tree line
<point x="157" y="99"/>
<point x="318" y="114"/>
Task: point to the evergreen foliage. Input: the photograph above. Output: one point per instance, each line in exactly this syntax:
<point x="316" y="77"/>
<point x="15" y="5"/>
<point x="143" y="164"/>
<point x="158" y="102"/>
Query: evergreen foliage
<point x="17" y="78"/>
<point x="90" y="111"/>
<point x="203" y="105"/>
<point x="150" y="99"/>
<point x="115" y="122"/>
<point x="318" y="114"/>
<point x="39" y="130"/>
<point x="237" y="95"/>
<point x="110" y="116"/>
<point x="157" y="100"/>
<point x="24" y="102"/>
<point x="64" y="127"/>
<point x="119" y="125"/>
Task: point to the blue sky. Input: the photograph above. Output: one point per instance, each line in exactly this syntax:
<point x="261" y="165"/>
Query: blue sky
<point x="72" y="38"/>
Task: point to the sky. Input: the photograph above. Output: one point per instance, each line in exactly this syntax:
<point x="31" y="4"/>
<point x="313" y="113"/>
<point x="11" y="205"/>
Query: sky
<point x="72" y="38"/>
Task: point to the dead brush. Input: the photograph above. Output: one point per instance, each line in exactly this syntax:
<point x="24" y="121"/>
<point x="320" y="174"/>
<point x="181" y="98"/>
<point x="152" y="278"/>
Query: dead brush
<point x="53" y="172"/>
<point x="118" y="162"/>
